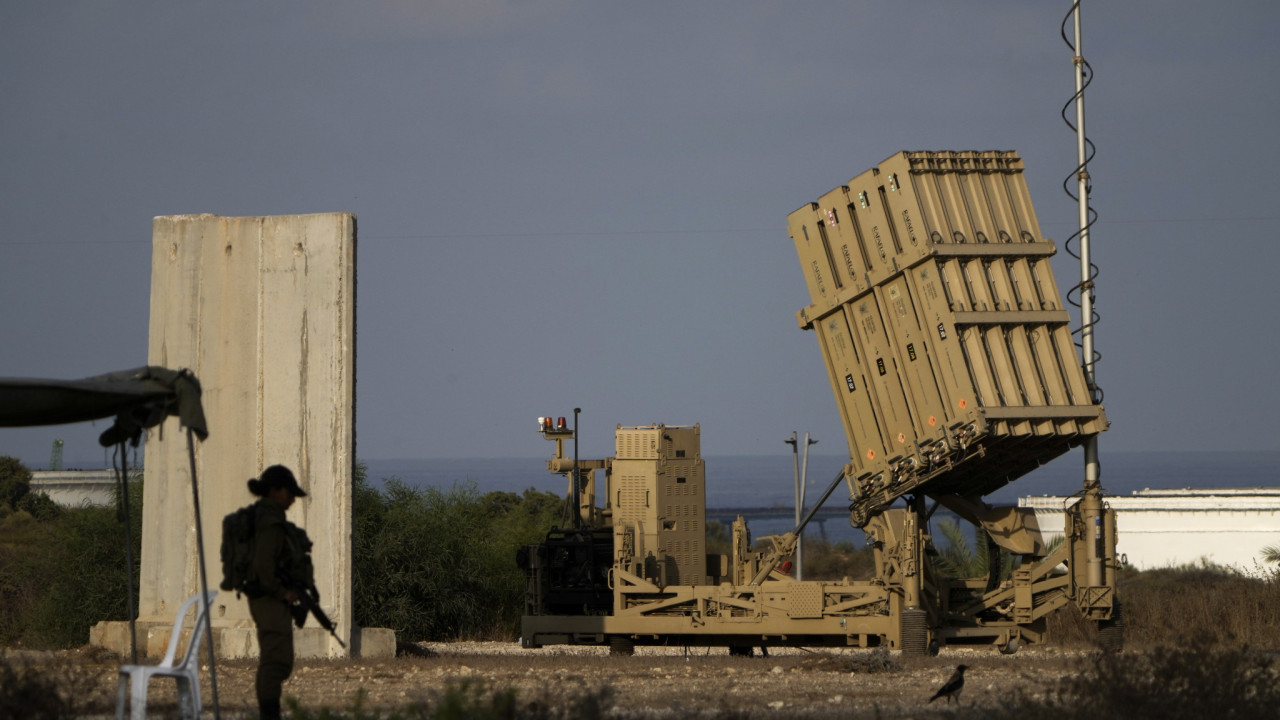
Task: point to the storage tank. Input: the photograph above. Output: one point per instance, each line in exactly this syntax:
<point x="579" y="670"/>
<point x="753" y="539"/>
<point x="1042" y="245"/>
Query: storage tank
<point x="945" y="337"/>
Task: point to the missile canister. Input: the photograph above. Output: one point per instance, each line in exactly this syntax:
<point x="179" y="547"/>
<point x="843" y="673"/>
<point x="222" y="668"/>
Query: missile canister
<point x="944" y="334"/>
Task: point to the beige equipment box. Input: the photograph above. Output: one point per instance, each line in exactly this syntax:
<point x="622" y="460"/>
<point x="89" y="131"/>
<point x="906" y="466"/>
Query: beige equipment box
<point x="945" y="337"/>
<point x="659" y="506"/>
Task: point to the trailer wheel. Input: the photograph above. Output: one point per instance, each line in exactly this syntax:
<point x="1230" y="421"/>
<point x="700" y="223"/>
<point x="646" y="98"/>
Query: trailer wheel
<point x="621" y="645"/>
<point x="1111" y="632"/>
<point x="915" y="632"/>
<point x="741" y="651"/>
<point x="1010" y="647"/>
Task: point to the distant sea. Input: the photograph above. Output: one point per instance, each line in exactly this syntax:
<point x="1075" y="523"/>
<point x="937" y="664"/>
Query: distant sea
<point x="766" y="483"/>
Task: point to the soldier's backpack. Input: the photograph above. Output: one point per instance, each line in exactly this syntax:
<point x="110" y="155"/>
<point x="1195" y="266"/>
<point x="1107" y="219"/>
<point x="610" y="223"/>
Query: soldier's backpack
<point x="238" y="529"/>
<point x="238" y="532"/>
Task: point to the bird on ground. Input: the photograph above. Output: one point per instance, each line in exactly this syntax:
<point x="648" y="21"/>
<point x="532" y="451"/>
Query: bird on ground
<point x="952" y="687"/>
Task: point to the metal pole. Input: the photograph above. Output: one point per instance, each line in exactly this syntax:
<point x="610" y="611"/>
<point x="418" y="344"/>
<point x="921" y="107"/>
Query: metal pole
<point x="804" y="482"/>
<point x="1082" y="195"/>
<point x="122" y="487"/>
<point x="818" y="505"/>
<point x="1092" y="502"/>
<point x="577" y="476"/>
<point x="204" y="580"/>
<point x="799" y="499"/>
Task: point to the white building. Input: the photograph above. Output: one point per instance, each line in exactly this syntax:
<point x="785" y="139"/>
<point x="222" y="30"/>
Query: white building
<point x="76" y="488"/>
<point x="1167" y="528"/>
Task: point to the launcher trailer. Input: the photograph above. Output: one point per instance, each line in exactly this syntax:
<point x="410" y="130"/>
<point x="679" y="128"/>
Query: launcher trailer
<point x="950" y="355"/>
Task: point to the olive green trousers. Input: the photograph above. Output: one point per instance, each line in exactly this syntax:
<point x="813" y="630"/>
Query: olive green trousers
<point x="275" y="646"/>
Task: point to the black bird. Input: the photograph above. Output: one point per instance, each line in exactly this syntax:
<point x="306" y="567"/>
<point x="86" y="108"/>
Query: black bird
<point x="953" y="686"/>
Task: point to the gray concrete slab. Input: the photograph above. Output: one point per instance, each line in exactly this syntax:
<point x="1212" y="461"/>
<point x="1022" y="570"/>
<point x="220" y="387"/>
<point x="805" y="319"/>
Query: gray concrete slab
<point x="262" y="309"/>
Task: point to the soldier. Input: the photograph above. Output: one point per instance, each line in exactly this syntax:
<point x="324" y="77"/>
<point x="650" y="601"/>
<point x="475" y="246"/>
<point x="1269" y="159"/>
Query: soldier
<point x="270" y="606"/>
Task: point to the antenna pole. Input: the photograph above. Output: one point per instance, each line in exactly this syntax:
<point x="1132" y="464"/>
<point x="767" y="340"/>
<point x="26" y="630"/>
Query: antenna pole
<point x="1092" y="467"/>
<point x="577" y="474"/>
<point x="1095" y="555"/>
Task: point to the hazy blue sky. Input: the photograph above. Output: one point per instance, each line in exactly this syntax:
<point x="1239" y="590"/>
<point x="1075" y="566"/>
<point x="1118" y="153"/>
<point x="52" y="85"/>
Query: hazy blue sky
<point x="572" y="203"/>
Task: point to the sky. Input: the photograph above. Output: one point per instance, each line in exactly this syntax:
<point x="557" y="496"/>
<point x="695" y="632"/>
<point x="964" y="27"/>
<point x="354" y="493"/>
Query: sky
<point x="583" y="204"/>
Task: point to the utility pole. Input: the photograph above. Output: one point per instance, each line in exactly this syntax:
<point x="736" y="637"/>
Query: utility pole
<point x="801" y="479"/>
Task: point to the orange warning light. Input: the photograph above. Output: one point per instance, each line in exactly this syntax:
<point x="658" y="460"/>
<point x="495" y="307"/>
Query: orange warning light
<point x="932" y="421"/>
<point x="871" y="454"/>
<point x="963" y="403"/>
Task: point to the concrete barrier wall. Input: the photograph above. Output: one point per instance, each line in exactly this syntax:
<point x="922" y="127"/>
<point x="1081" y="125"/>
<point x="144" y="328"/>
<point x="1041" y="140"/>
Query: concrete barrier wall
<point x="262" y="309"/>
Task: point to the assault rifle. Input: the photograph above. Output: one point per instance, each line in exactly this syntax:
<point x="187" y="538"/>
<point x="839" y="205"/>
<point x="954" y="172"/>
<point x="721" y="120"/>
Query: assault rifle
<point x="309" y="604"/>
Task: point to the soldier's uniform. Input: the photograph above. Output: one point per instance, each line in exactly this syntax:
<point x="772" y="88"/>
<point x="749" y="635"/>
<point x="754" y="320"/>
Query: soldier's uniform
<point x="270" y="608"/>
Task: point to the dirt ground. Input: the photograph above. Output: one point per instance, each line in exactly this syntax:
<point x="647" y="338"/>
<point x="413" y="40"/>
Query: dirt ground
<point x="654" y="683"/>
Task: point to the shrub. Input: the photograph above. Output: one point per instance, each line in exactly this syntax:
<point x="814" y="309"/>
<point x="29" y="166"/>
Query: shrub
<point x="1168" y="682"/>
<point x="1167" y="606"/>
<point x="824" y="560"/>
<point x="435" y="565"/>
<point x="15" y="481"/>
<point x="39" y="505"/>
<point x="719" y="538"/>
<point x="61" y="574"/>
<point x="957" y="559"/>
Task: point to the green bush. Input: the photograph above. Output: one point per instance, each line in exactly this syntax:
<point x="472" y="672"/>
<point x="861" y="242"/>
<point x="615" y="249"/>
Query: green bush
<point x="63" y="572"/>
<point x="957" y="559"/>
<point x="39" y="505"/>
<point x="436" y="565"/>
<point x="825" y="560"/>
<point x="719" y="538"/>
<point x="15" y="481"/>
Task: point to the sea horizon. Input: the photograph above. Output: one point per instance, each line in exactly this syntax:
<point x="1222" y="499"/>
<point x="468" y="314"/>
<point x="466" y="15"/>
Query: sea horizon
<point x="767" y="480"/>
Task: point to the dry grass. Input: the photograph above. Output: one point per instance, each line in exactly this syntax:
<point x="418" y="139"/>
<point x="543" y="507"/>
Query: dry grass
<point x="34" y="688"/>
<point x="846" y="684"/>
<point x="1178" y="683"/>
<point x="1201" y="642"/>
<point x="1202" y="606"/>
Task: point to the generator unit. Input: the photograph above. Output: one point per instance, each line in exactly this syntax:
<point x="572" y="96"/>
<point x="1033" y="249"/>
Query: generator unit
<point x="660" y="504"/>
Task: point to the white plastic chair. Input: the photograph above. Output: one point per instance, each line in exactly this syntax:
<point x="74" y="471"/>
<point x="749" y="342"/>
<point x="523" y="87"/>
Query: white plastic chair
<point x="134" y="678"/>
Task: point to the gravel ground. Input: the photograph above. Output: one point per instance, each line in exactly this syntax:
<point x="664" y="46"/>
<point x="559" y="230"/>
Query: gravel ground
<point x="654" y="683"/>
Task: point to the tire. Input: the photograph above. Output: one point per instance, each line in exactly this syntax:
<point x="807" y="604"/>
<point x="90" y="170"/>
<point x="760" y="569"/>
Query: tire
<point x="1111" y="632"/>
<point x="621" y="645"/>
<point x="915" y="632"/>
